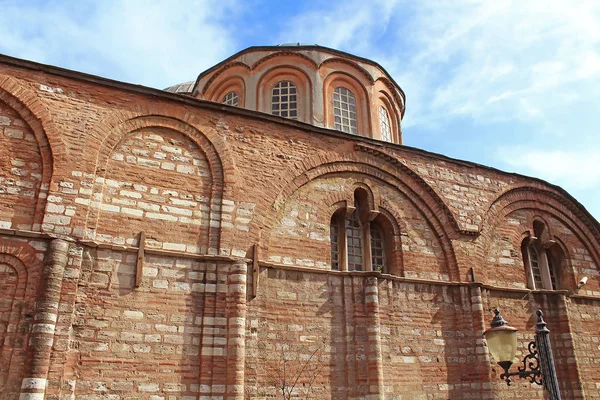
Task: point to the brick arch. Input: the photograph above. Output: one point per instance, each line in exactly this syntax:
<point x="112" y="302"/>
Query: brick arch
<point x="22" y="259"/>
<point x="335" y="79"/>
<point x="119" y="124"/>
<point x="219" y="72"/>
<point x="400" y="100"/>
<point x="370" y="156"/>
<point x="358" y="163"/>
<point x="29" y="107"/>
<point x="284" y="54"/>
<point x="286" y="72"/>
<point x="351" y="64"/>
<point x="129" y="127"/>
<point x="547" y="202"/>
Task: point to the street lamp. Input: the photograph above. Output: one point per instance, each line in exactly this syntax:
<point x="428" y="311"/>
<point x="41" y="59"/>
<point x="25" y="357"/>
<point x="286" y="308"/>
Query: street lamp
<point x="538" y="365"/>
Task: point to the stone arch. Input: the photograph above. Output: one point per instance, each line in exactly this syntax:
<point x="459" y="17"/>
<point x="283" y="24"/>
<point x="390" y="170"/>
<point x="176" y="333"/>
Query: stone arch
<point x="19" y="276"/>
<point x="219" y="72"/>
<point x="359" y="163"/>
<point x="37" y="118"/>
<point x="544" y="203"/>
<point x="213" y="163"/>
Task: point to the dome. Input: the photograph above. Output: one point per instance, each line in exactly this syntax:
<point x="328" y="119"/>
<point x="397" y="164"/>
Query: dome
<point x="183" y="88"/>
<point x="308" y="83"/>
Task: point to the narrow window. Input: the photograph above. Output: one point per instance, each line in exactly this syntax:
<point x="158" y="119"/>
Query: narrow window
<point x="344" y="110"/>
<point x="551" y="271"/>
<point x="377" y="249"/>
<point x="384" y="124"/>
<point x="284" y="100"/>
<point x="354" y="238"/>
<point x="541" y="257"/>
<point x="534" y="263"/>
<point x="334" y="232"/>
<point x="231" y="99"/>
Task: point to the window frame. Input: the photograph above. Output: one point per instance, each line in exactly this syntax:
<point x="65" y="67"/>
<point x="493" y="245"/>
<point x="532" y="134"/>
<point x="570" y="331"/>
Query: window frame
<point x="368" y="220"/>
<point x="289" y="85"/>
<point x="338" y="97"/>
<point x="361" y="96"/>
<point x="235" y="99"/>
<point x="548" y="278"/>
<point x="388" y="122"/>
<point x="270" y="78"/>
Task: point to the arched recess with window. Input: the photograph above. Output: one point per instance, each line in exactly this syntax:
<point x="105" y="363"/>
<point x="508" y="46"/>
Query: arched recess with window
<point x="387" y="119"/>
<point x="529" y="233"/>
<point x="29" y="139"/>
<point x="301" y="218"/>
<point x="20" y="271"/>
<point x="543" y="258"/>
<point x="285" y="91"/>
<point x="364" y="238"/>
<point x="230" y="78"/>
<point x="346" y="103"/>
<point x="231" y="91"/>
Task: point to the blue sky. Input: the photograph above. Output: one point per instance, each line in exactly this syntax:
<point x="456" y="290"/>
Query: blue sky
<point x="510" y="84"/>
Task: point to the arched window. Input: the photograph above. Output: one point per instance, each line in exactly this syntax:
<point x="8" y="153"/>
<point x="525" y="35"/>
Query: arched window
<point x="284" y="100"/>
<point x="354" y="240"/>
<point x="385" y="125"/>
<point x="377" y="248"/>
<point x="231" y="99"/>
<point x="344" y="110"/>
<point x="540" y="261"/>
<point x="357" y="242"/>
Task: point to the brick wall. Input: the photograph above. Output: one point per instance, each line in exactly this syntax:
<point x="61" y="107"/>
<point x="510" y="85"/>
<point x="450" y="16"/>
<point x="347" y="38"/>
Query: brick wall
<point x="89" y="166"/>
<point x="20" y="171"/>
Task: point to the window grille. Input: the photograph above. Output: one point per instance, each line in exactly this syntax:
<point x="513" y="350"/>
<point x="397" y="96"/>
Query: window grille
<point x="384" y="123"/>
<point x="344" y="110"/>
<point x="354" y="240"/>
<point x="377" y="249"/>
<point x="284" y="100"/>
<point x="335" y="245"/>
<point x="231" y="99"/>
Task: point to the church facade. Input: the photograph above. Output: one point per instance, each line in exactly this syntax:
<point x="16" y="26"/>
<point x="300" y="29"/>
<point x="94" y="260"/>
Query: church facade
<point x="262" y="232"/>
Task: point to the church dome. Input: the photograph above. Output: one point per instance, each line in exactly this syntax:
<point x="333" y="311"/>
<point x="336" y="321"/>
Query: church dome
<point x="308" y="83"/>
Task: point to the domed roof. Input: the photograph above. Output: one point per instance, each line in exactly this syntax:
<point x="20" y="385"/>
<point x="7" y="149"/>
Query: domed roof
<point x="183" y="88"/>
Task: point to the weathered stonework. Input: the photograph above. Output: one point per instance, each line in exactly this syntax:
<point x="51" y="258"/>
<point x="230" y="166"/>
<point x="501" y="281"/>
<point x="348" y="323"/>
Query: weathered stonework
<point x="233" y="277"/>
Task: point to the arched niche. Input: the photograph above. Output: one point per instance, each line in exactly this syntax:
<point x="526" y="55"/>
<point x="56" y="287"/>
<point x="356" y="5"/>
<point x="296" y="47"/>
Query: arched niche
<point x="344" y="80"/>
<point x="23" y="178"/>
<point x="166" y="178"/>
<point x="285" y="73"/>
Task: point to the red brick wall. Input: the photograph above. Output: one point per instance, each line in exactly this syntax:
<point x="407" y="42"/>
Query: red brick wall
<point x="202" y="181"/>
<point x="20" y="171"/>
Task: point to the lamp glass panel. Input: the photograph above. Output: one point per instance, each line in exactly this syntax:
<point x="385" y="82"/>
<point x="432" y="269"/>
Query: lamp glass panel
<point x="502" y="344"/>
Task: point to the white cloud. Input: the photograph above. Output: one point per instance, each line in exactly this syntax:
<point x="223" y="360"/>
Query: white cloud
<point x="148" y="42"/>
<point x="571" y="168"/>
<point x="351" y="24"/>
<point x="500" y="60"/>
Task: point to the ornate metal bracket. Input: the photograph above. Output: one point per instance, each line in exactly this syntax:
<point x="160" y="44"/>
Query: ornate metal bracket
<point x="531" y="361"/>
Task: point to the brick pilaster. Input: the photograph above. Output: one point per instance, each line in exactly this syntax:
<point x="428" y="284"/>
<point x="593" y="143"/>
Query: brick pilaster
<point x="42" y="336"/>
<point x="236" y="331"/>
<point x="375" y="366"/>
